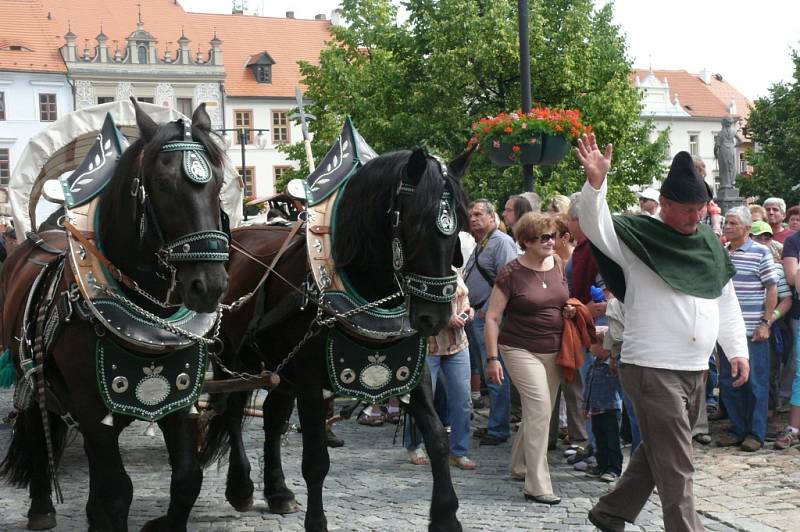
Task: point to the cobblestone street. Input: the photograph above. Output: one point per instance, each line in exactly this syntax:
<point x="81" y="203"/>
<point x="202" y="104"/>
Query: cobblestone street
<point x="371" y="486"/>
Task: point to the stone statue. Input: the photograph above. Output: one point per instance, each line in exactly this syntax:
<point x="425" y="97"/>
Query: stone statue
<point x="725" y="152"/>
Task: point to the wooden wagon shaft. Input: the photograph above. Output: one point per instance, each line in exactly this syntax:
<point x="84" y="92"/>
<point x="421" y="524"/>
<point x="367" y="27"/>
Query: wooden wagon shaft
<point x="251" y="411"/>
<point x="264" y="380"/>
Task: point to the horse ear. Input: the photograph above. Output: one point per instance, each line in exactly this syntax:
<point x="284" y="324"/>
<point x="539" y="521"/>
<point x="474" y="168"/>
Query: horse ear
<point x="200" y="118"/>
<point x="460" y="164"/>
<point x="146" y="124"/>
<point x="416" y="166"/>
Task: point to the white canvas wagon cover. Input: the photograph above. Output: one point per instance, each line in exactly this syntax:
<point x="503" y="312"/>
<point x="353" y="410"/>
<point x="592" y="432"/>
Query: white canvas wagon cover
<point x="61" y="147"/>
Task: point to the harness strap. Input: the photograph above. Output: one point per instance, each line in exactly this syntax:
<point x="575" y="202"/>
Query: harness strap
<point x="270" y="268"/>
<point x="38" y="352"/>
<point x="86" y="243"/>
<point x="41" y="244"/>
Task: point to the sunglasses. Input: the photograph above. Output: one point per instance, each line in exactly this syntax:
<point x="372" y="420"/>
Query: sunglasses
<point x="545" y="237"/>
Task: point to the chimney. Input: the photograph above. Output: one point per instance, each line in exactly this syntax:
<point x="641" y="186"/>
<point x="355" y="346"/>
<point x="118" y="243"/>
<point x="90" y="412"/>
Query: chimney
<point x="216" y="51"/>
<point x="290" y="14"/>
<point x="70" y="50"/>
<point x="102" y="47"/>
<point x="319" y="17"/>
<point x="183" y="54"/>
<point x="705" y="75"/>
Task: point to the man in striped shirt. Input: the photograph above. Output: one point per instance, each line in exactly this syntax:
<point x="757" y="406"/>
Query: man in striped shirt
<point x="756" y="286"/>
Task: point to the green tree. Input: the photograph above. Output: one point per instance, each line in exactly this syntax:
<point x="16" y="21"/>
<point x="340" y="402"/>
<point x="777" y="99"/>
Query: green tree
<point x="424" y="81"/>
<point x="774" y="127"/>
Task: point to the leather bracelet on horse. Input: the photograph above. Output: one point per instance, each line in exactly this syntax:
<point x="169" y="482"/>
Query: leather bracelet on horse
<point x="91" y="248"/>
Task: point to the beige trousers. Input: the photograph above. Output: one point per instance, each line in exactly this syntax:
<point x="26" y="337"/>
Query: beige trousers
<point x="537" y="377"/>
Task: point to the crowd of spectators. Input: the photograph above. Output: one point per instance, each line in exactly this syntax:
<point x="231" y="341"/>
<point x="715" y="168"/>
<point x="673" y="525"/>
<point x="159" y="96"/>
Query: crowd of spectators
<point x="531" y="277"/>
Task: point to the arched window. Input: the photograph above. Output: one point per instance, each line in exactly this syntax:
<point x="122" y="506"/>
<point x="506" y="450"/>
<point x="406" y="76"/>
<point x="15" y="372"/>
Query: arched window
<point x="142" y="54"/>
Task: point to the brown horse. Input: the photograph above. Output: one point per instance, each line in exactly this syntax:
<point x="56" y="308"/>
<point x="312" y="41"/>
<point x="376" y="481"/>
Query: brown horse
<point x="148" y="205"/>
<point x="372" y="213"/>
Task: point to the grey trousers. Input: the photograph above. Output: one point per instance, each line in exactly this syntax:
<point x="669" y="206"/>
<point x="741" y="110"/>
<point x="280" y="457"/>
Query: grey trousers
<point x="572" y="394"/>
<point x="667" y="404"/>
<point x="701" y="426"/>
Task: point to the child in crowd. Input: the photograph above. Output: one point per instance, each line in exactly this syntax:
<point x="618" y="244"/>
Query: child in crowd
<point x="603" y="403"/>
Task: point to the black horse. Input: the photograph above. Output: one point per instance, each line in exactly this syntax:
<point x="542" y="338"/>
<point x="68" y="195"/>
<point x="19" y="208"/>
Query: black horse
<point x="148" y="203"/>
<point x="364" y="228"/>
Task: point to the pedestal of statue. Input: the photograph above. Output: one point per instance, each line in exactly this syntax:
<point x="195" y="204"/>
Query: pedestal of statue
<point x="727" y="198"/>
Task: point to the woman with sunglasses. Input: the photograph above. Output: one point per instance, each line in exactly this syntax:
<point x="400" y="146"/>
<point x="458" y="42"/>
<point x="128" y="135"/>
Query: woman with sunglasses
<point x="523" y="325"/>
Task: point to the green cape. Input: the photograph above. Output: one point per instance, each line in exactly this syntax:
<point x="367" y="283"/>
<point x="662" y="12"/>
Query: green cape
<point x="695" y="264"/>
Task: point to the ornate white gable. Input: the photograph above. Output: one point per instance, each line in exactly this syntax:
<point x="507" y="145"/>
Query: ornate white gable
<point x="655" y="97"/>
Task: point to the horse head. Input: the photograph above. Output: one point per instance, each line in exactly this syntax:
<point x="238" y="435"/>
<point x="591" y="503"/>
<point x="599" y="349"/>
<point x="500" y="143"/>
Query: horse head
<point x="164" y="222"/>
<point x="430" y="210"/>
<point x="401" y="226"/>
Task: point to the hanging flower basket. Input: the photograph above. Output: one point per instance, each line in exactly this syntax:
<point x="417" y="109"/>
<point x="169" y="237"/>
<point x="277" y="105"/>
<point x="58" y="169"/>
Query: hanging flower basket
<point x="540" y="137"/>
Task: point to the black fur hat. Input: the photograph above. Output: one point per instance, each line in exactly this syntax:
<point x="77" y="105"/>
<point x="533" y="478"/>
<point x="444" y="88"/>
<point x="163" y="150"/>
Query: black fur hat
<point x="683" y="183"/>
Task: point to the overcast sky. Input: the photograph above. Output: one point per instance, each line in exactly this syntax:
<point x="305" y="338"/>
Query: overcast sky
<point x="747" y="42"/>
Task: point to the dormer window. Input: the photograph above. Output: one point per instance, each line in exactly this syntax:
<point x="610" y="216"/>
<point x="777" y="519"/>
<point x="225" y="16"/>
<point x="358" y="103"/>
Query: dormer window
<point x="142" y="54"/>
<point x="261" y="66"/>
<point x="264" y="73"/>
<point x="15" y="48"/>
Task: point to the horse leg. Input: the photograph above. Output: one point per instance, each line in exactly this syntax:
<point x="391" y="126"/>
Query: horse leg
<point x="238" y="485"/>
<point x="110" y="487"/>
<point x="444" y="502"/>
<point x="26" y="464"/>
<point x="277" y="409"/>
<point x="311" y="409"/>
<point x="180" y="436"/>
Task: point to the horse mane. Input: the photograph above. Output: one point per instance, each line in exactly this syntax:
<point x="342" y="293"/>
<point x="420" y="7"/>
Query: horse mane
<point x="363" y="232"/>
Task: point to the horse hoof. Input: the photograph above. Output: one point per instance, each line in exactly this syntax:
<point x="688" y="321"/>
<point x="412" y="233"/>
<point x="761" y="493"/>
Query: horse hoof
<point x="42" y="521"/>
<point x="451" y="526"/>
<point x="157" y="525"/>
<point x="242" y="506"/>
<point x="283" y="506"/>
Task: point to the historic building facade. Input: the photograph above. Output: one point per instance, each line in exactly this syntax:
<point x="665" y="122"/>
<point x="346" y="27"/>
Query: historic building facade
<point x="691" y="107"/>
<point x="58" y="56"/>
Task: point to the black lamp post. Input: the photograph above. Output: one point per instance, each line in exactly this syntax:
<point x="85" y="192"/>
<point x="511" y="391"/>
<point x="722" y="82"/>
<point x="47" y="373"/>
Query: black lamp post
<point x="242" y="134"/>
<point x="525" y="81"/>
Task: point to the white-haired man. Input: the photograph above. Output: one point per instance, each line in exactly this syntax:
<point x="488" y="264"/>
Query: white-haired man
<point x="756" y="286"/>
<point x="776" y="212"/>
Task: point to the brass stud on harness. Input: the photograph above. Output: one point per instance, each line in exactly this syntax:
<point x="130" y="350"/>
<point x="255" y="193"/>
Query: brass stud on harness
<point x="274" y="380"/>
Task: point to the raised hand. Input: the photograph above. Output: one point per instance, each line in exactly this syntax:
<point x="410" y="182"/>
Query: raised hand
<point x="594" y="162"/>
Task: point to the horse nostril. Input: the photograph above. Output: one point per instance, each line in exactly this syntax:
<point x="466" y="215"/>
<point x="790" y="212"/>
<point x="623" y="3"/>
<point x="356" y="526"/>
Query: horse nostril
<point x="198" y="286"/>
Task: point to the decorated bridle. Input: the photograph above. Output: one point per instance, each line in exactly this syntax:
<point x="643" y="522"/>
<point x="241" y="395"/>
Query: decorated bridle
<point x="200" y="246"/>
<point x="435" y="289"/>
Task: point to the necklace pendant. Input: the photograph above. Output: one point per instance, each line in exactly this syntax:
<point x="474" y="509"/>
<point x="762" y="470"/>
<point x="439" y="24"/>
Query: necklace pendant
<point x="544" y="285"/>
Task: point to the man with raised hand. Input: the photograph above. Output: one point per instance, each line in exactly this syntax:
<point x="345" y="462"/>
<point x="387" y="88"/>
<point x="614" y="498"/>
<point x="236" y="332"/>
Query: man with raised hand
<point x="675" y="279"/>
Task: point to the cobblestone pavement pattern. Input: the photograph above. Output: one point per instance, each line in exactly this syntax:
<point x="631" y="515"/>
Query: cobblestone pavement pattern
<point x="371" y="486"/>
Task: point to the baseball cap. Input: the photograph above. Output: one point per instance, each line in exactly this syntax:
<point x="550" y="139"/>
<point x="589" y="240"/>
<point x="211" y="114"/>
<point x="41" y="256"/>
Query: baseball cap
<point x="760" y="227"/>
<point x="648" y="193"/>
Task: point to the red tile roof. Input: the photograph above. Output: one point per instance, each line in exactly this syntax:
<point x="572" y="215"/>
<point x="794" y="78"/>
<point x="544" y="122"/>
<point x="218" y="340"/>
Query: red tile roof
<point x="26" y="22"/>
<point x="243" y="37"/>
<point x="699" y="99"/>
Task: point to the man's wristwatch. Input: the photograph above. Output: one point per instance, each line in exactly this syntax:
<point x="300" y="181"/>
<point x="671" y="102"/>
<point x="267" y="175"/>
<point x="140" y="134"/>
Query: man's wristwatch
<point x="491" y="359"/>
<point x="764" y="321"/>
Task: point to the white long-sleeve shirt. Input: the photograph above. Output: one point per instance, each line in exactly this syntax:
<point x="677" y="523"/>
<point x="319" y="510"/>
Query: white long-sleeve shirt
<point x="664" y="328"/>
